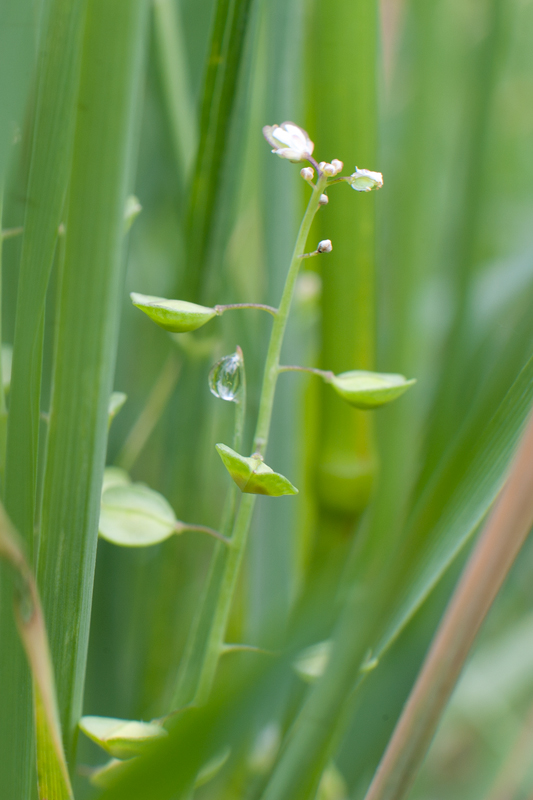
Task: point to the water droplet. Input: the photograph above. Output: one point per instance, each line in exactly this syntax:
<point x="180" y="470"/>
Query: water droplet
<point x="225" y="377"/>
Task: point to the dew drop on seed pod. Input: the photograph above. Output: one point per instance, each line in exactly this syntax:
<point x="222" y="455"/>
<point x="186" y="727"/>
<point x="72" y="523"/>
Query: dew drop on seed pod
<point x="225" y="377"/>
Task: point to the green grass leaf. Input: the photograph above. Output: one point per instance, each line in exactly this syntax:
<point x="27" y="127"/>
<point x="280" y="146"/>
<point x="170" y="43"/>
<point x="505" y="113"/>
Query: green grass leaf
<point x="87" y="332"/>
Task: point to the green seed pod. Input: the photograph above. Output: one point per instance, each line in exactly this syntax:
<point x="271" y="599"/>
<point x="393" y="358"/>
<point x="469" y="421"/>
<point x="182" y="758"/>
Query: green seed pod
<point x="252" y="475"/>
<point x="132" y="515"/>
<point x="370" y="389"/>
<point x="311" y="663"/>
<point x="176" y="316"/>
<point x="104" y="777"/>
<point x="121" y="738"/>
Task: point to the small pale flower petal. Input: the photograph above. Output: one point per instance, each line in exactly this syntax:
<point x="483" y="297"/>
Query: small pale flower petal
<point x="289" y="141"/>
<point x="364" y="180"/>
<point x="337" y="164"/>
<point x="324" y="246"/>
<point x="329" y="170"/>
<point x="307" y="173"/>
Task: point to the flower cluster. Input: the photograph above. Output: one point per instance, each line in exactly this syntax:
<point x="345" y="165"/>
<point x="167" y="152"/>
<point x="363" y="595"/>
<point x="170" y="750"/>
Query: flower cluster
<point x="290" y="141"/>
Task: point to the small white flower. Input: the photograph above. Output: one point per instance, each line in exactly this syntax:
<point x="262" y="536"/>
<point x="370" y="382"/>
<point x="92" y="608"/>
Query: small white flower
<point x="324" y="246"/>
<point x="364" y="180"/>
<point x="289" y="141"/>
<point x="323" y="200"/>
<point x="337" y="164"/>
<point x="329" y="170"/>
<point x="307" y="173"/>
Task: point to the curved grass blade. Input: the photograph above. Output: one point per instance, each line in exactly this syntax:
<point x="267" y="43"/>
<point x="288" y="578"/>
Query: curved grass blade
<point x="52" y="771"/>
<point x="499" y="544"/>
<point x="403" y="580"/>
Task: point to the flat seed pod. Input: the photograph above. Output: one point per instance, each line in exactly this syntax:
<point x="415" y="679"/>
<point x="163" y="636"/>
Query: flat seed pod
<point x="252" y="475"/>
<point x="177" y="316"/>
<point x="132" y="515"/>
<point x="121" y="738"/>
<point x="370" y="389"/>
<point x="105" y="776"/>
<point x="115" y="476"/>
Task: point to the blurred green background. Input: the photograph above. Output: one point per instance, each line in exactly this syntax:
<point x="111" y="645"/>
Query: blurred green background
<point x="431" y="277"/>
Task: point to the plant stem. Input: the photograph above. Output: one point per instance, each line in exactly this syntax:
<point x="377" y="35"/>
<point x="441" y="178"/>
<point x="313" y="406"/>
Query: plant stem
<point x="181" y="527"/>
<point x="260" y="306"/>
<point x="196" y="651"/>
<point x="325" y="374"/>
<point x="151" y="413"/>
<point x="206" y="640"/>
<point x="280" y="323"/>
<point x="246" y="508"/>
<point x="504" y="534"/>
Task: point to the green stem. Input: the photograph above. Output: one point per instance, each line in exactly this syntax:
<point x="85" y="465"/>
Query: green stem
<point x="325" y="374"/>
<point x="246" y="508"/>
<point x="260" y="306"/>
<point x="197" y="652"/>
<point x="151" y="413"/>
<point x="181" y="527"/>
<point x="270" y="376"/>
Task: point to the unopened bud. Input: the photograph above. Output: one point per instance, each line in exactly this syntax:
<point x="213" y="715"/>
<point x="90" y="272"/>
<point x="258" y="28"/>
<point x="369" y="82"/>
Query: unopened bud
<point x="329" y="170"/>
<point x="324" y="246"/>
<point x="323" y="200"/>
<point x="322" y="165"/>
<point x="337" y="164"/>
<point x="307" y="173"/>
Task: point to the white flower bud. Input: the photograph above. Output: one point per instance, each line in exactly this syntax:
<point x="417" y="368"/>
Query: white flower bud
<point x="329" y="170"/>
<point x="322" y="165"/>
<point x="364" y="180"/>
<point x="323" y="200"/>
<point x="324" y="246"/>
<point x="307" y="173"/>
<point x="337" y="164"/>
<point x="289" y="141"/>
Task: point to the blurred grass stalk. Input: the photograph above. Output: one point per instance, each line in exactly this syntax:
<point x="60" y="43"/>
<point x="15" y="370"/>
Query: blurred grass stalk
<point x="181" y="114"/>
<point x="499" y="544"/>
<point x="342" y="105"/>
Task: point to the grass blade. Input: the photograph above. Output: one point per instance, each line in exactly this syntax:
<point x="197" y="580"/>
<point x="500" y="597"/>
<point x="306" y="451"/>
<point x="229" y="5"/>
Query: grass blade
<point x="87" y="336"/>
<point x="486" y="570"/>
<point x="220" y="93"/>
<point x="173" y="68"/>
<point x="53" y="778"/>
<point x="49" y="170"/>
